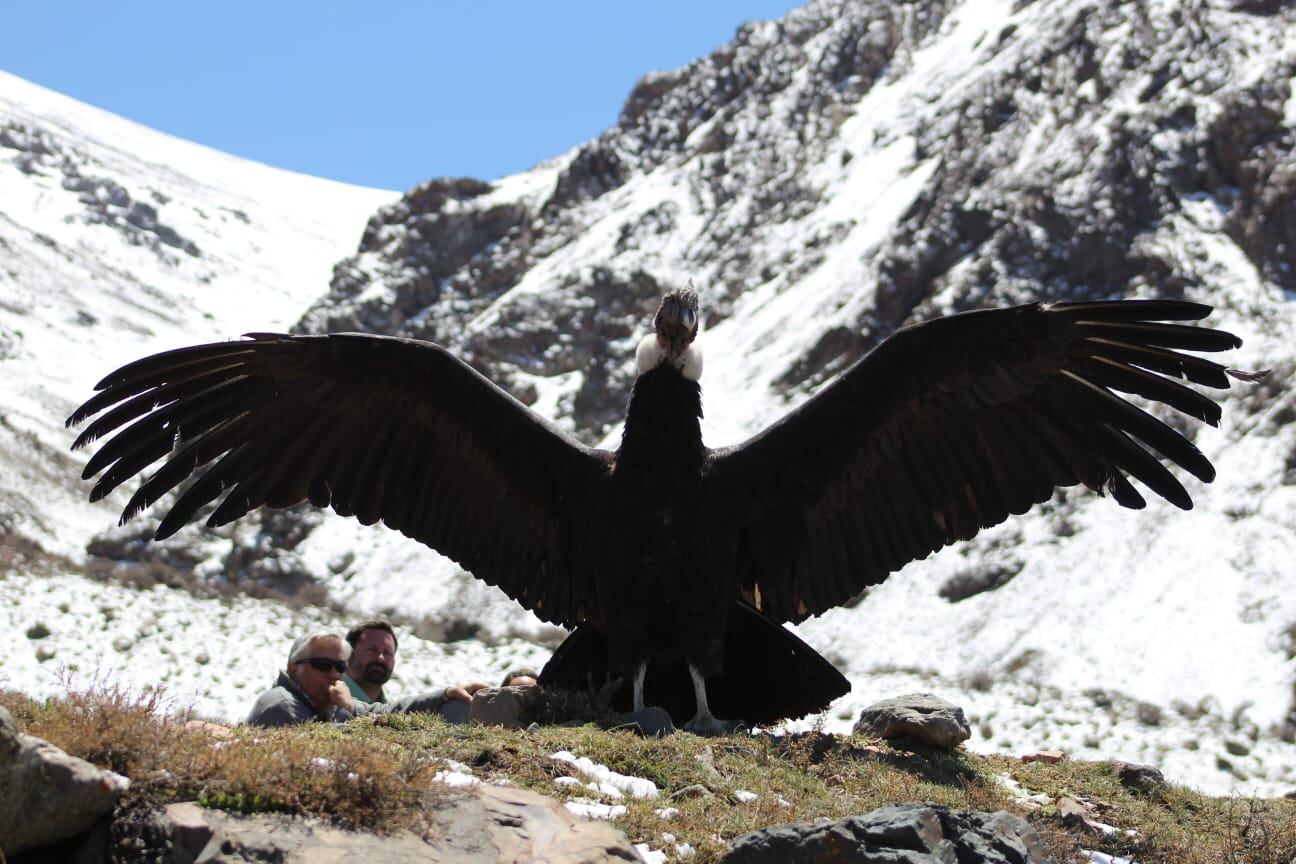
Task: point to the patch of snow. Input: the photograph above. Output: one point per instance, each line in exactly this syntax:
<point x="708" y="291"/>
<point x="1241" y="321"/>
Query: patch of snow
<point x="607" y="779"/>
<point x="649" y="855"/>
<point x="455" y="778"/>
<point x="593" y="809"/>
<point x="1104" y="858"/>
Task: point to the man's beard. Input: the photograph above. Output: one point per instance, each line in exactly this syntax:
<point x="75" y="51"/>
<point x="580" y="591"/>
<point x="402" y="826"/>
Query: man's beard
<point x="376" y="673"/>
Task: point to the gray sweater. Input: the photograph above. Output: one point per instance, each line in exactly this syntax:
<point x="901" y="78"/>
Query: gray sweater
<point x="286" y="704"/>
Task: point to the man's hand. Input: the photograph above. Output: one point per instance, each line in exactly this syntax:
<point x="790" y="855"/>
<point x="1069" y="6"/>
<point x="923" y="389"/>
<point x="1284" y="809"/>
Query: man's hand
<point x="340" y="696"/>
<point x="463" y="692"/>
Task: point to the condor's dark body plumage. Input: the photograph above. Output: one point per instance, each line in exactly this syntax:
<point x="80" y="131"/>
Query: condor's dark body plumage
<point x="945" y="428"/>
<point x="662" y="533"/>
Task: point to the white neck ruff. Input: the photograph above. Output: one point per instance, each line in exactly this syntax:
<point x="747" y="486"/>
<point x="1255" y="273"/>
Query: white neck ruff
<point x="650" y="354"/>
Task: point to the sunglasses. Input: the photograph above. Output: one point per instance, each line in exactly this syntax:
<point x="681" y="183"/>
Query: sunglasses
<point x="324" y="664"/>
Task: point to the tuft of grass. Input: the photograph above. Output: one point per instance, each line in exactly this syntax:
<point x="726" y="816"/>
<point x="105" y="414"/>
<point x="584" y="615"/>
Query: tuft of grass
<point x="378" y="774"/>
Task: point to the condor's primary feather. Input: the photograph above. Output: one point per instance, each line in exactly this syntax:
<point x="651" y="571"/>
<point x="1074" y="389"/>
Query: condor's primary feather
<point x="945" y="428"/>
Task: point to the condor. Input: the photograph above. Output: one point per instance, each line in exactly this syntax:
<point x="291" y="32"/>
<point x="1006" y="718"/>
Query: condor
<point x="675" y="564"/>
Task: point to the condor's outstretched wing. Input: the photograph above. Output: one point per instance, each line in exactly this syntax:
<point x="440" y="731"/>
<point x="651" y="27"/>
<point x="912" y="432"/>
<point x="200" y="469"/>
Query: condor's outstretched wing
<point x="375" y="427"/>
<point x="950" y="425"/>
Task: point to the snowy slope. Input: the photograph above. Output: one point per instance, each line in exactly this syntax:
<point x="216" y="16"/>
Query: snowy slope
<point x="822" y="180"/>
<point x="89" y="279"/>
<point x="118" y="241"/>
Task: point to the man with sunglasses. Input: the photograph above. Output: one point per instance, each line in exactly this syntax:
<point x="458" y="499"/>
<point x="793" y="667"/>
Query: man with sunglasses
<point x="312" y="688"/>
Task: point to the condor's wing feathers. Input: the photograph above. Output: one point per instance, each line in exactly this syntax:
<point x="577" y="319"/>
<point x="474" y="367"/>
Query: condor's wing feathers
<point x="949" y="426"/>
<point x="375" y="427"/>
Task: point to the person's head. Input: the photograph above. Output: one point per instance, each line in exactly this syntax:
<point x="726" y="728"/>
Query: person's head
<point x="522" y="676"/>
<point x="316" y="661"/>
<point x="373" y="652"/>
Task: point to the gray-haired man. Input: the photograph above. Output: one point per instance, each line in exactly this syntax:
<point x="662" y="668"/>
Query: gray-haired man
<point x="311" y="687"/>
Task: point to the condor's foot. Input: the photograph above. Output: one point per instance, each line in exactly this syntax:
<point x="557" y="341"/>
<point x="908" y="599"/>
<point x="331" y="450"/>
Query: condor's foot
<point x="704" y="722"/>
<point x="709" y="726"/>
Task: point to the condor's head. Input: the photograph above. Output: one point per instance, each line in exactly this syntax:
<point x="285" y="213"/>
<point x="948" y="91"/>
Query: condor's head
<point x="671" y="343"/>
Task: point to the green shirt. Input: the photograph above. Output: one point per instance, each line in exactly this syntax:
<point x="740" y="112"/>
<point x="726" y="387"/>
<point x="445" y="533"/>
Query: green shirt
<point x="358" y="694"/>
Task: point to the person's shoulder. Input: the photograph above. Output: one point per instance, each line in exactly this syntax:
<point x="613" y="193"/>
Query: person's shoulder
<point x="277" y="707"/>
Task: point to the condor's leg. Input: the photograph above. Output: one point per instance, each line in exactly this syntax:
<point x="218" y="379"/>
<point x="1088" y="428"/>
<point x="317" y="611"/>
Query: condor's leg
<point x="639" y="685"/>
<point x="703" y="722"/>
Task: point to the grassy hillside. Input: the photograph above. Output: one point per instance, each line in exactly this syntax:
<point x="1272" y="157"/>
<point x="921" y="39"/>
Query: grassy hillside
<point x="379" y="775"/>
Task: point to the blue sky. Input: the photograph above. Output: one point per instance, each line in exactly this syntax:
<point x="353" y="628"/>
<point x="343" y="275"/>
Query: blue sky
<point x="381" y="94"/>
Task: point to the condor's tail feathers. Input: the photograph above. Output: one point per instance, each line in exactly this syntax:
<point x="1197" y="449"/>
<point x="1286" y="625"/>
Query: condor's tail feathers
<point x="761" y="657"/>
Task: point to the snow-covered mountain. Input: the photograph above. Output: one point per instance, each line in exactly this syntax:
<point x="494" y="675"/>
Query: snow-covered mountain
<point x="117" y="241"/>
<point x="822" y="180"/>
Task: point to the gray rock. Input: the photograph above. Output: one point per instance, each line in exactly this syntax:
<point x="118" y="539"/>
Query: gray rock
<point x="510" y="707"/>
<point x="899" y="834"/>
<point x="483" y="826"/>
<point x="1237" y="747"/>
<point x="919" y="717"/>
<point x="8" y="733"/>
<point x="651" y="722"/>
<point x="47" y="795"/>
<point x="696" y="790"/>
<point x="1144" y="778"/>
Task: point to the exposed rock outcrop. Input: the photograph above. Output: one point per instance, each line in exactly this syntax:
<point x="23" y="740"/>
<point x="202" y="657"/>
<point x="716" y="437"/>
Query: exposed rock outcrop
<point x="900" y="834"/>
<point x="47" y="796"/>
<point x="485" y="825"/>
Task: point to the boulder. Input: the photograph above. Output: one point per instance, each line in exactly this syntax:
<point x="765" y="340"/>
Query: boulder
<point x="899" y="834"/>
<point x="47" y="795"/>
<point x="510" y="707"/>
<point x="919" y="717"/>
<point x="482" y="826"/>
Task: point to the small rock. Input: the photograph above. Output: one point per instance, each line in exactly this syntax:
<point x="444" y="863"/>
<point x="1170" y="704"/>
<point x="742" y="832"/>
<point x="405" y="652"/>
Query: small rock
<point x="1050" y="756"/>
<point x="920" y="717"/>
<point x="1225" y="765"/>
<point x="1074" y="813"/>
<point x="1149" y="714"/>
<point x="1144" y="778"/>
<point x="122" y="644"/>
<point x="186" y="828"/>
<point x="37" y="631"/>
<point x="1237" y="748"/>
<point x="697" y="790"/>
<point x="45" y="652"/>
<point x="651" y="722"/>
<point x="706" y="757"/>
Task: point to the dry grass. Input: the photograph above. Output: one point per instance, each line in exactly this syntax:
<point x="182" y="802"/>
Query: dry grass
<point x="378" y="774"/>
<point x="340" y="773"/>
<point x="1169" y="823"/>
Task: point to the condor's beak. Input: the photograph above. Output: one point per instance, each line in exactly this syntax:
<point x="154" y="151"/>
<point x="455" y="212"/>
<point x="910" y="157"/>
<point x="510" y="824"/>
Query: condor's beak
<point x="688" y="317"/>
